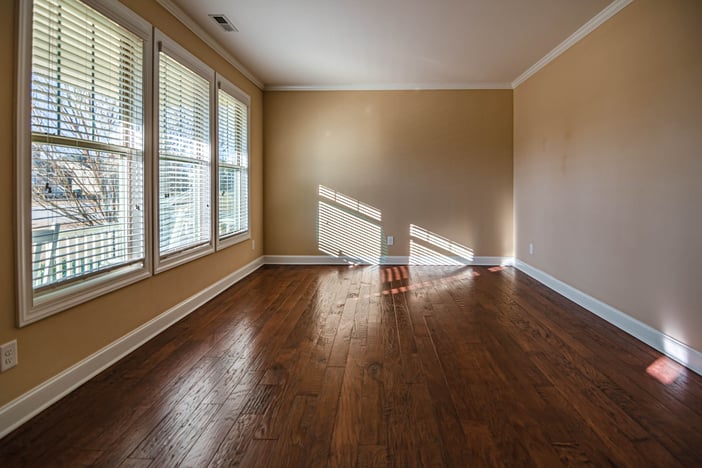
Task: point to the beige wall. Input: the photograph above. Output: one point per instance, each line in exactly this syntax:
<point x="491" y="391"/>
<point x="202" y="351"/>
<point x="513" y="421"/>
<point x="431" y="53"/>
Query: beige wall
<point x="51" y="345"/>
<point x="441" y="160"/>
<point x="608" y="169"/>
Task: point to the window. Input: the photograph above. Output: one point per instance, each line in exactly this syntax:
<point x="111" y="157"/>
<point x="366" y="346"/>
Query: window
<point x="233" y="164"/>
<point x="184" y="156"/>
<point x="129" y="160"/>
<point x="81" y="154"/>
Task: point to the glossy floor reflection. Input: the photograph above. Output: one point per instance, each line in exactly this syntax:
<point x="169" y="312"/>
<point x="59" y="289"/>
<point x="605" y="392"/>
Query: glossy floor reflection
<point x="378" y="366"/>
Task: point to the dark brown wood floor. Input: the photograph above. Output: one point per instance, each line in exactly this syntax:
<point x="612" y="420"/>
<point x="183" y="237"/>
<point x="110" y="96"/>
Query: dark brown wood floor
<point x="375" y="366"/>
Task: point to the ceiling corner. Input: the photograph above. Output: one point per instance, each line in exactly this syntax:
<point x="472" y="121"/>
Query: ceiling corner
<point x="594" y="23"/>
<point x="191" y="24"/>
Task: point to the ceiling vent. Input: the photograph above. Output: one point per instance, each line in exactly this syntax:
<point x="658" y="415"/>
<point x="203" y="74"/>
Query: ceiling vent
<point x="224" y="23"/>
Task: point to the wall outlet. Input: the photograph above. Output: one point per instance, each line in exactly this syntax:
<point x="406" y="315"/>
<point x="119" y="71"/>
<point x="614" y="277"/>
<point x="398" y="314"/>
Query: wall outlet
<point x="531" y="248"/>
<point x="8" y="355"/>
<point x="253" y="244"/>
<point x="391" y="240"/>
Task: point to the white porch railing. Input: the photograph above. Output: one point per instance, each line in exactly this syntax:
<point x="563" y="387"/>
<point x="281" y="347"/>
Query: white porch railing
<point x="59" y="255"/>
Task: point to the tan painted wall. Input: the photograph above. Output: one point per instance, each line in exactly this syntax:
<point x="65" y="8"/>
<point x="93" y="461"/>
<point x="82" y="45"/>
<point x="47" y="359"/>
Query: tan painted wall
<point x="608" y="169"/>
<point x="439" y="159"/>
<point x="51" y="345"/>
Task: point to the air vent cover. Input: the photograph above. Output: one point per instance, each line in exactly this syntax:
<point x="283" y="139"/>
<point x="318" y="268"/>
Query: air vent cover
<point x="224" y="22"/>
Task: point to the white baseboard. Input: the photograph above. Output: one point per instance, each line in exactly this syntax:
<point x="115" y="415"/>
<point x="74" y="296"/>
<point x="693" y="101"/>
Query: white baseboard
<point x="21" y="409"/>
<point x="674" y="349"/>
<point x="385" y="260"/>
<point x="493" y="261"/>
<point x="304" y="260"/>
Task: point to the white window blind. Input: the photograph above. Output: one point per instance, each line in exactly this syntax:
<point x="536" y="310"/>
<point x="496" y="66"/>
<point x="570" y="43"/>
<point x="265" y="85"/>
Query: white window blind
<point x="184" y="157"/>
<point x="233" y="161"/>
<point x="87" y="146"/>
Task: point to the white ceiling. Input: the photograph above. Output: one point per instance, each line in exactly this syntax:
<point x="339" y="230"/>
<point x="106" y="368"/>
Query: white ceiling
<point x="389" y="43"/>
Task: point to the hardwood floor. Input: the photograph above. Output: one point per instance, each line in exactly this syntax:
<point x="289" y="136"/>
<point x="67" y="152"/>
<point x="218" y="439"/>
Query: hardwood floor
<point x="378" y="366"/>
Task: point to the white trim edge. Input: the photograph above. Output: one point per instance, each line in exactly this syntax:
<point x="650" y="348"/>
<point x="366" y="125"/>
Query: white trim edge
<point x="674" y="349"/>
<point x="594" y="23"/>
<point x="26" y="406"/>
<point x="391" y="87"/>
<point x="184" y="18"/>
<point x="304" y="260"/>
<point x="385" y="260"/>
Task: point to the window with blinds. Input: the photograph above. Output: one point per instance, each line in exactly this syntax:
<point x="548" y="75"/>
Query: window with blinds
<point x="118" y="167"/>
<point x="184" y="157"/>
<point x="233" y="165"/>
<point x="87" y="145"/>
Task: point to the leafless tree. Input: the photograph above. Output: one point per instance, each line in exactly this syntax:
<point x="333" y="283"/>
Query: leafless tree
<point x="77" y="184"/>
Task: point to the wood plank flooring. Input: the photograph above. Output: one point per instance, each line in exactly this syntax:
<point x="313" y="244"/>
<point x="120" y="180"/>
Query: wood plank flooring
<point x="378" y="366"/>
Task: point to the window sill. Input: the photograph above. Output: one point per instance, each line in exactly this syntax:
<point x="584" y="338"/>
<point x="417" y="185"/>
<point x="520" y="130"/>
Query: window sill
<point x="62" y="298"/>
<point x="225" y="242"/>
<point x="178" y="258"/>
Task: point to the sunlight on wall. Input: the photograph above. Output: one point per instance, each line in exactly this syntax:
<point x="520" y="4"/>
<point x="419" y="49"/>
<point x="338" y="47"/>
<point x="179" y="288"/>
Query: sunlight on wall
<point x="420" y="255"/>
<point x="351" y="203"/>
<point x="429" y="248"/>
<point x="347" y="228"/>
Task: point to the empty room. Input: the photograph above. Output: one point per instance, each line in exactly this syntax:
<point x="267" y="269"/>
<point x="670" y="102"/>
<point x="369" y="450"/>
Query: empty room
<point x="352" y="233"/>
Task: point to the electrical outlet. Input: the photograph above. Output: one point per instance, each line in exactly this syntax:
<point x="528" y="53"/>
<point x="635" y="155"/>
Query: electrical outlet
<point x="531" y="248"/>
<point x="253" y="244"/>
<point x="8" y="354"/>
<point x="391" y="240"/>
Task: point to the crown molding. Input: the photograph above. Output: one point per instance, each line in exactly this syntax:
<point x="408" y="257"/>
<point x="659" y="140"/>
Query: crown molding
<point x="594" y="23"/>
<point x="184" y="18"/>
<point x="391" y="87"/>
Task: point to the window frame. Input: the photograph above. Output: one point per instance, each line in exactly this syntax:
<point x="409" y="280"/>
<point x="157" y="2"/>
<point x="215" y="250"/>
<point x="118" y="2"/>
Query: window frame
<point x="163" y="43"/>
<point x="222" y="242"/>
<point x="32" y="307"/>
<point x="36" y="304"/>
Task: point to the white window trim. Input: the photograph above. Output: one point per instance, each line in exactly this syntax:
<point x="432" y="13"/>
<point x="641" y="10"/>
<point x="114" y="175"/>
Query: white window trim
<point x="29" y="308"/>
<point x="235" y="92"/>
<point x="163" y="43"/>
